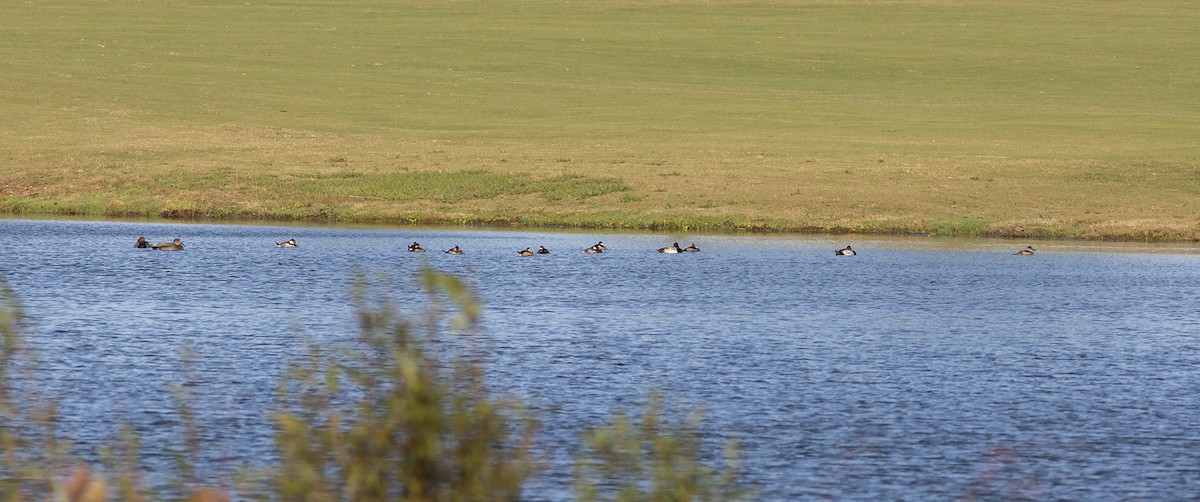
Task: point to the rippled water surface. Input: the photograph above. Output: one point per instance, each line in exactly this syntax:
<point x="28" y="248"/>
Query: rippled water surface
<point x="919" y="369"/>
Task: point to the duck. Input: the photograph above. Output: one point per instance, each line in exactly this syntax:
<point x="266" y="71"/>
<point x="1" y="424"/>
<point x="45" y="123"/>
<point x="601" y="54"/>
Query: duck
<point x="175" y="245"/>
<point x="672" y="249"/>
<point x="692" y="248"/>
<point x="846" y="251"/>
<point x="1027" y="251"/>
<point x="600" y="246"/>
<point x="141" y="243"/>
<point x="596" y="249"/>
<point x="543" y="250"/>
<point x="415" y="248"/>
<point x="525" y="252"/>
<point x="454" y="250"/>
<point x="290" y="243"/>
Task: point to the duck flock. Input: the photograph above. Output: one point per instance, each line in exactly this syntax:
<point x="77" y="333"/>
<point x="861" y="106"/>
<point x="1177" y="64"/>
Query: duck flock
<point x="597" y="248"/>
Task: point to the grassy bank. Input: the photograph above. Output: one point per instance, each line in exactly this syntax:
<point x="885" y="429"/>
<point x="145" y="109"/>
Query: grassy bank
<point x="1019" y="118"/>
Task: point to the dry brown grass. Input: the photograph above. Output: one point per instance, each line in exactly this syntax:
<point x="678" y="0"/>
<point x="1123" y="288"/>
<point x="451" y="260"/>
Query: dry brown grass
<point x="238" y="171"/>
<point x="1068" y="120"/>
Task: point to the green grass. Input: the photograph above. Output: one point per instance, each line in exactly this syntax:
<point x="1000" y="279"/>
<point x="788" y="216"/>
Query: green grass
<point x="453" y="187"/>
<point x="1071" y="118"/>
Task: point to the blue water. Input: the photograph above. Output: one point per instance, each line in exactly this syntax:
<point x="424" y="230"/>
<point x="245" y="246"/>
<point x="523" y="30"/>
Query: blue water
<point x="920" y="369"/>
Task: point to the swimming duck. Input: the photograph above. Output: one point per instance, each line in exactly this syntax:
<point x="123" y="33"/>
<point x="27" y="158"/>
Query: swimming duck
<point x="415" y="248"/>
<point x="175" y="245"/>
<point x="141" y="243"/>
<point x="1026" y="252"/>
<point x="596" y="249"/>
<point x="672" y="249"/>
<point x="543" y="250"/>
<point x="454" y="250"/>
<point x="290" y="243"/>
<point x="525" y="252"/>
<point x="846" y="251"/>
<point x="692" y="248"/>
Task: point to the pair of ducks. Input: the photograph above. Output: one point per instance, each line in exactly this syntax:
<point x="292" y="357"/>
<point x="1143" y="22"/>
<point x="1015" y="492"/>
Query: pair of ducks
<point x="531" y="252"/>
<point x="674" y="248"/>
<point x="596" y="248"/>
<point x="175" y="245"/>
<point x="417" y="247"/>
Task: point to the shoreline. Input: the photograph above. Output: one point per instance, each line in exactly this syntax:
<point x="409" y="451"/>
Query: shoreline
<point x="729" y="226"/>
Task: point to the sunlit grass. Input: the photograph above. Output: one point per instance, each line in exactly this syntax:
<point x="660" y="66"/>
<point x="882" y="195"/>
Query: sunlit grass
<point x="453" y="187"/>
<point x="1069" y="118"/>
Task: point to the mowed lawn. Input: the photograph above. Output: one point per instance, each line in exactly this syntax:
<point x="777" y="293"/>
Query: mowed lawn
<point x="1023" y="118"/>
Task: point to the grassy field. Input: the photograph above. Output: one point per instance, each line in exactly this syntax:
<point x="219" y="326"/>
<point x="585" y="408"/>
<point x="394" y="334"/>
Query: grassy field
<point x="1023" y="118"/>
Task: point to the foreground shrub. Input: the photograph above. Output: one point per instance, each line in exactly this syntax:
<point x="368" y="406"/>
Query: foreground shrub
<point x="652" y="461"/>
<point x="30" y="448"/>
<point x="418" y="429"/>
<point x="385" y="420"/>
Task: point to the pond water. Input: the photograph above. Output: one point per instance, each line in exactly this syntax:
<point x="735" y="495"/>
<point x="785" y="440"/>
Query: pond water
<point x="928" y="368"/>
